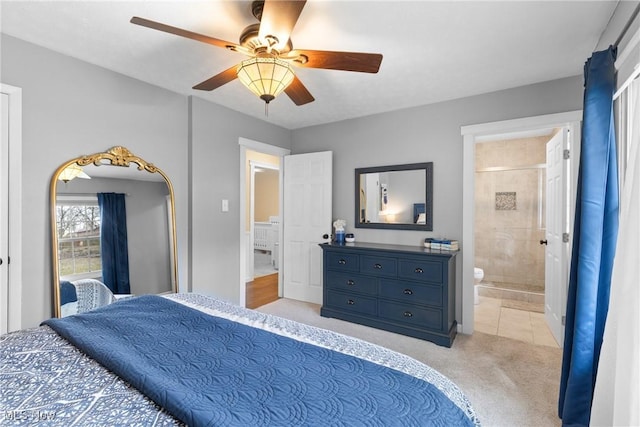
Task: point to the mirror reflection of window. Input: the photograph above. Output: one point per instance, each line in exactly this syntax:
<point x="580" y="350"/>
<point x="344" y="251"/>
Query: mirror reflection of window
<point x="78" y="224"/>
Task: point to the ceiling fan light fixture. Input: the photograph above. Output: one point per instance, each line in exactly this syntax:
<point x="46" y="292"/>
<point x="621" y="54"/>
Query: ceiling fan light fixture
<point x="71" y="172"/>
<point x="267" y="77"/>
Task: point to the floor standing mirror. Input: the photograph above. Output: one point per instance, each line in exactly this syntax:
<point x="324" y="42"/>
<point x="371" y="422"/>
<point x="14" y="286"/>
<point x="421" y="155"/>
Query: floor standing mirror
<point x="113" y="231"/>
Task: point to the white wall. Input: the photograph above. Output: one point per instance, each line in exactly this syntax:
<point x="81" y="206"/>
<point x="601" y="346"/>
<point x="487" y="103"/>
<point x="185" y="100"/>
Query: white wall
<point x="429" y="133"/>
<point x="71" y="108"/>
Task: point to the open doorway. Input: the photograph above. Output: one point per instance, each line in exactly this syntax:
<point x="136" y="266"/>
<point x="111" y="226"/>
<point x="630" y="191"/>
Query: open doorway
<point x="472" y="136"/>
<point x="264" y="226"/>
<point x="510" y="235"/>
<point x="261" y="222"/>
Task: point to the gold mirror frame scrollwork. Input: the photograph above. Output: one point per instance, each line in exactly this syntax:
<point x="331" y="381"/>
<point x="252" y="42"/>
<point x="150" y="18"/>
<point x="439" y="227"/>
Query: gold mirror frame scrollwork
<point x="118" y="156"/>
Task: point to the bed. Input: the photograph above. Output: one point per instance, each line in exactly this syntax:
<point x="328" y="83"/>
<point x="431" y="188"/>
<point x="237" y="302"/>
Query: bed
<point x="202" y="361"/>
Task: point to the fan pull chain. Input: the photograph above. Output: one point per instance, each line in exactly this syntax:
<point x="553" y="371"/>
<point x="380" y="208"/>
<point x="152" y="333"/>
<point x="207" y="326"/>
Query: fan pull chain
<point x="266" y="109"/>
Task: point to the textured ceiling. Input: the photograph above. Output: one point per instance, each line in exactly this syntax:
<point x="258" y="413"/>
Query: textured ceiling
<point x="433" y="51"/>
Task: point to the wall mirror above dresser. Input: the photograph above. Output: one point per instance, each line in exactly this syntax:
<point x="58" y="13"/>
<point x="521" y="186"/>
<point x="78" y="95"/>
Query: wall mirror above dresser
<point x="395" y="197"/>
<point x="113" y="231"/>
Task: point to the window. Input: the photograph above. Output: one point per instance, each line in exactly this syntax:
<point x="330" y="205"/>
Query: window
<point x="78" y="226"/>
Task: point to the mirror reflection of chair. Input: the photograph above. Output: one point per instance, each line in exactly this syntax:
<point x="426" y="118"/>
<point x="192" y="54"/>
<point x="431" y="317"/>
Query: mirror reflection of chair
<point x="92" y="294"/>
<point x="84" y="295"/>
<point x="89" y="294"/>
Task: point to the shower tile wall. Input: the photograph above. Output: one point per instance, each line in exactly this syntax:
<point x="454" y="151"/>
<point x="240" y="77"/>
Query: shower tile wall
<point x="507" y="244"/>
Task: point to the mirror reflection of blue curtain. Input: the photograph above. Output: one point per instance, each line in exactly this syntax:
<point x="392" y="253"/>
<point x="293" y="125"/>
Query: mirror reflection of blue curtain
<point x="594" y="242"/>
<point x="113" y="242"/>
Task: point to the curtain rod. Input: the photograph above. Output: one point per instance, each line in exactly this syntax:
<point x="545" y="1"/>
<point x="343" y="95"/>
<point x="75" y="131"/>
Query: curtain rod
<point x="627" y="25"/>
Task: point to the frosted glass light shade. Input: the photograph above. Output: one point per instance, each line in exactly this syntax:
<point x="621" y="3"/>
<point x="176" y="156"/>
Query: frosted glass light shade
<point x="72" y="171"/>
<point x="267" y="77"/>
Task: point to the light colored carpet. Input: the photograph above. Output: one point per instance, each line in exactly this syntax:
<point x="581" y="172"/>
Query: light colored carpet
<point x="509" y="383"/>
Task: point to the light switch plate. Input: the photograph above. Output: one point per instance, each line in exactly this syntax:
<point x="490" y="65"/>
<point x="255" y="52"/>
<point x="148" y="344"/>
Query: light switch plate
<point x="225" y="205"/>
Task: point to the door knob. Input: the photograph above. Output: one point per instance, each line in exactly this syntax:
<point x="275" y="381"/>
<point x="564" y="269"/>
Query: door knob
<point x="543" y="242"/>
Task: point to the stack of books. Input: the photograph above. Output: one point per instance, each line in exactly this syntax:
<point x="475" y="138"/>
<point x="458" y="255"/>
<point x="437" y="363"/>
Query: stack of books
<point x="445" y="244"/>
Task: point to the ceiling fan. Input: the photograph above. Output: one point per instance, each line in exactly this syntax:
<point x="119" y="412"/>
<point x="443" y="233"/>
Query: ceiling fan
<point x="269" y="69"/>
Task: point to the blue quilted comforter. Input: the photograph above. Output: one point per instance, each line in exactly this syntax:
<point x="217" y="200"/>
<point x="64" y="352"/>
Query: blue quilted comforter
<point x="207" y="370"/>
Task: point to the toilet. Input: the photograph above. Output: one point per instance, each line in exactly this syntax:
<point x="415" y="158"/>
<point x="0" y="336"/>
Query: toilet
<point x="478" y="275"/>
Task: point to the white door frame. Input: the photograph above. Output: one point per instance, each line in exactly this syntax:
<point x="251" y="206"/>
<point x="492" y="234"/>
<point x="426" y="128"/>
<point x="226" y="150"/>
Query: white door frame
<point x="261" y="147"/>
<point x="471" y="133"/>
<point x="14" y="176"/>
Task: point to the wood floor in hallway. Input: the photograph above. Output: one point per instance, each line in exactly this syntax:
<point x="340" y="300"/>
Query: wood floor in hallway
<point x="262" y="290"/>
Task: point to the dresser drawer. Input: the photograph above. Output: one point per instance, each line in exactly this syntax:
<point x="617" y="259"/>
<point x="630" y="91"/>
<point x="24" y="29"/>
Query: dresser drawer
<point x="410" y="292"/>
<point x="343" y="261"/>
<point x="353" y="303"/>
<point x="429" y="271"/>
<point x="406" y="313"/>
<point x="351" y="282"/>
<point x="380" y="266"/>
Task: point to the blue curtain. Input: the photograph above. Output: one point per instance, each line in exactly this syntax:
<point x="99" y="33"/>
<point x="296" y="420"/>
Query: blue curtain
<point x="594" y="242"/>
<point x="113" y="242"/>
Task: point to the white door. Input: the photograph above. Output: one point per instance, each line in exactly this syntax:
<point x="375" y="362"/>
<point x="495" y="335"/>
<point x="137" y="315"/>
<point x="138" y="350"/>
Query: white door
<point x="4" y="215"/>
<point x="557" y="247"/>
<point x="307" y="217"/>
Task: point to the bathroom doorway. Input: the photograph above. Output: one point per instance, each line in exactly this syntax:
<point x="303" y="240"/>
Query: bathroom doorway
<point x="522" y="241"/>
<point x="474" y="135"/>
<point x="510" y="235"/>
<point x="510" y="218"/>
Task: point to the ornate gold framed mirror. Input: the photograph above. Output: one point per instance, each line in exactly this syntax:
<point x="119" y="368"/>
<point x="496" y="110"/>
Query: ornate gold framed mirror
<point x="113" y="231"/>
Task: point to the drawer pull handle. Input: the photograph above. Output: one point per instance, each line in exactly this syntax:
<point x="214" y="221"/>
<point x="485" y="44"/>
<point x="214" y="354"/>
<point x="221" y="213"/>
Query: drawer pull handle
<point x="351" y="302"/>
<point x="342" y="262"/>
<point x="408" y="314"/>
<point x="377" y="266"/>
<point x="419" y="270"/>
<point x="350" y="282"/>
<point x="407" y="292"/>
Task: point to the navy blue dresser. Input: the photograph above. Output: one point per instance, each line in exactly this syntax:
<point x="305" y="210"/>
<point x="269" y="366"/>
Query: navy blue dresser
<point x="409" y="290"/>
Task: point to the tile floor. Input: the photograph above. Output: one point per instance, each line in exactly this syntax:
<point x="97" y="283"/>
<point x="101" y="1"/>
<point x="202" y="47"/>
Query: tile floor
<point x="494" y="316"/>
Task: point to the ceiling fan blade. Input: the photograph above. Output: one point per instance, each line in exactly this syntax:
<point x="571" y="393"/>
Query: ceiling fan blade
<point x="346" y="61"/>
<point x="298" y="93"/>
<point x="218" y="80"/>
<point x="278" y="19"/>
<point x="186" y="33"/>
